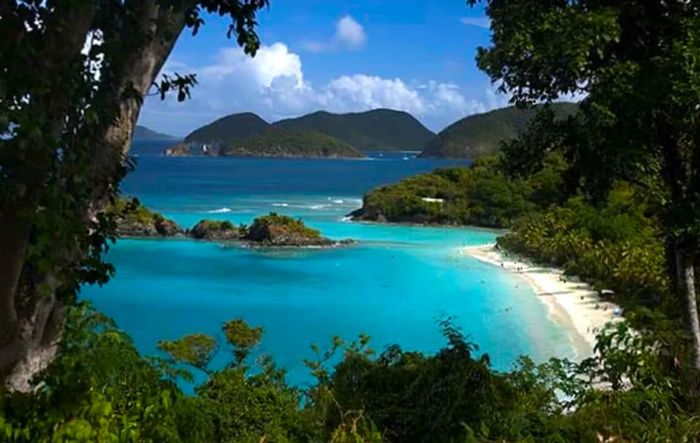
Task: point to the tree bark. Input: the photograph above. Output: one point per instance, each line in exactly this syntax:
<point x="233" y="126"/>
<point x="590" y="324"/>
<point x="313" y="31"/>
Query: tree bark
<point x="685" y="287"/>
<point x="161" y="27"/>
<point x="65" y="35"/>
<point x="29" y="337"/>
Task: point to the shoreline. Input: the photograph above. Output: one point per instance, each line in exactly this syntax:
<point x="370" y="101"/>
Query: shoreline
<point x="572" y="304"/>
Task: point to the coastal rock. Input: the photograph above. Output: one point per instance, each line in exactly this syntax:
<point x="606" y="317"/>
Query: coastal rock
<point x="281" y="230"/>
<point x="166" y="227"/>
<point x="215" y="230"/>
<point x="135" y="220"/>
<point x="272" y="230"/>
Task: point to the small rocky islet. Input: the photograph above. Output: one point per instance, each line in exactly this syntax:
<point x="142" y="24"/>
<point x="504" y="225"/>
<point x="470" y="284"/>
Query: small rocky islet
<point x="272" y="230"/>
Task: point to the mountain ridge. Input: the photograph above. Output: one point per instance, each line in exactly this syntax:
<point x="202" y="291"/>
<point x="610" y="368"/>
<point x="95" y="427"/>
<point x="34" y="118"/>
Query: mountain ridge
<point x="481" y="134"/>
<point x="142" y="133"/>
<point x="378" y="129"/>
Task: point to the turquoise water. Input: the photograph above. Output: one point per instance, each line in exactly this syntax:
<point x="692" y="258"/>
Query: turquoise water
<point x="394" y="285"/>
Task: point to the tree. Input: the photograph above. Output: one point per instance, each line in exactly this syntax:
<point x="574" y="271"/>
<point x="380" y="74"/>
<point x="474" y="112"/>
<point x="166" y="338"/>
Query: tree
<point x="73" y="76"/>
<point x="637" y="67"/>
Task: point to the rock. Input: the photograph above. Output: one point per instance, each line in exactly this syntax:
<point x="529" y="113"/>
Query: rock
<point x="135" y="220"/>
<point x="281" y="230"/>
<point x="167" y="228"/>
<point x="215" y="230"/>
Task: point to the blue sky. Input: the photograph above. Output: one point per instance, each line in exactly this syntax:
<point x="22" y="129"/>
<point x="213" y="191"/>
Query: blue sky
<point x="341" y="56"/>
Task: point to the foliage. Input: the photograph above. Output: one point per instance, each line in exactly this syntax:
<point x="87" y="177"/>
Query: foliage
<point x="482" y="134"/>
<point x="281" y="229"/>
<point x="278" y="142"/>
<point x="73" y="76"/>
<point x="635" y="65"/>
<point x="375" y="130"/>
<point x="100" y="389"/>
<point x="133" y="211"/>
<point x="216" y="229"/>
<point x="379" y="129"/>
<point x="616" y="246"/>
<point x="196" y="350"/>
<point x="480" y="195"/>
<point x="232" y="128"/>
<point x="133" y="219"/>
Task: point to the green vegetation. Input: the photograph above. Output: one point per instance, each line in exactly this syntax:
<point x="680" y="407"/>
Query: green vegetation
<point x="135" y="220"/>
<point x="132" y="210"/>
<point x="216" y="230"/>
<point x="481" y="195"/>
<point x="276" y="142"/>
<point x="100" y="389"/>
<point x="144" y="133"/>
<point x="636" y="66"/>
<point x="628" y="190"/>
<point x="616" y="246"/>
<point x="379" y="129"/>
<point x="282" y="230"/>
<point x="67" y="114"/>
<point x="481" y="134"/>
<point x="232" y="128"/>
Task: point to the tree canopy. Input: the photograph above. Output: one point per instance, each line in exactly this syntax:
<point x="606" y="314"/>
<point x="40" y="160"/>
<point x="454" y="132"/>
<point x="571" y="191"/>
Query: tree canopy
<point x="73" y="77"/>
<point x="636" y="67"/>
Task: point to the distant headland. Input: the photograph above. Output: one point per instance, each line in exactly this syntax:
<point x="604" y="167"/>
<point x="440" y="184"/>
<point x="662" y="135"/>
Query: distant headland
<point x="326" y="135"/>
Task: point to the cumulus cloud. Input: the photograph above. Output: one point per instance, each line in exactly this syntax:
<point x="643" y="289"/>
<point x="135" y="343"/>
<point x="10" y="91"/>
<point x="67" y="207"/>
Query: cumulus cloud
<point x="349" y="34"/>
<point x="272" y="84"/>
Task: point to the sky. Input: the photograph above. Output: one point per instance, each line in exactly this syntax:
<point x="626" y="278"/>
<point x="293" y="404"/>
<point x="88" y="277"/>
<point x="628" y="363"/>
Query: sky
<point x="340" y="56"/>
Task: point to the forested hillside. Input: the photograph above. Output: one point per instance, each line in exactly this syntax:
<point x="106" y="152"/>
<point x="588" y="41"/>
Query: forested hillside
<point x="481" y="134"/>
<point x="379" y="129"/>
<point x="142" y="133"/>
<point x="228" y="129"/>
<point x="277" y="142"/>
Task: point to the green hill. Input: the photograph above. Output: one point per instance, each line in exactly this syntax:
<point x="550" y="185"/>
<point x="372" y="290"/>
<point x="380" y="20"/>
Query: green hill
<point x="279" y="142"/>
<point x="144" y="133"/>
<point x="228" y="129"/>
<point x="481" y="134"/>
<point x="379" y="129"/>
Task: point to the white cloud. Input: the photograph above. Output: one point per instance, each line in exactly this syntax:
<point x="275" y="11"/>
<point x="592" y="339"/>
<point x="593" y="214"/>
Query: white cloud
<point x="479" y="22"/>
<point x="349" y="34"/>
<point x="272" y="84"/>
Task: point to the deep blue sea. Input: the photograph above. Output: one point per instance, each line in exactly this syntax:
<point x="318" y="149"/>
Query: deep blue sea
<point x="395" y="285"/>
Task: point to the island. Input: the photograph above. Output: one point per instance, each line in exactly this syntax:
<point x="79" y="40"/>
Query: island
<point x="135" y="220"/>
<point x="217" y="230"/>
<point x="479" y="195"/>
<point x="278" y="142"/>
<point x="481" y="135"/>
<point x="280" y="230"/>
<point x="319" y="134"/>
<point x="272" y="230"/>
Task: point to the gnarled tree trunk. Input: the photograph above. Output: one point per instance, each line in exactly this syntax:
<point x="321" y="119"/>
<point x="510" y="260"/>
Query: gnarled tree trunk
<point x="32" y="323"/>
<point x="22" y="326"/>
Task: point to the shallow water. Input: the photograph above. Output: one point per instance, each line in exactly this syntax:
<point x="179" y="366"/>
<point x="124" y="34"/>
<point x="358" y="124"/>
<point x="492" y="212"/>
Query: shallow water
<point x="394" y="285"/>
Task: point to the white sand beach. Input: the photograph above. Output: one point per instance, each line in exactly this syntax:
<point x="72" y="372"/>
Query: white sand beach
<point x="573" y="304"/>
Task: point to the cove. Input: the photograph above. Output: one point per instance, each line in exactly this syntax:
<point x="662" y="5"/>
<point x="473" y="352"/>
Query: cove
<point x="394" y="285"/>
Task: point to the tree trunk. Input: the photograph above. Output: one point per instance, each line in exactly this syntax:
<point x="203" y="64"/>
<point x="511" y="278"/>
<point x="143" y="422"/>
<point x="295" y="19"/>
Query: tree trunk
<point x="138" y="72"/>
<point x="65" y="35"/>
<point x="685" y="287"/>
<point x="29" y="333"/>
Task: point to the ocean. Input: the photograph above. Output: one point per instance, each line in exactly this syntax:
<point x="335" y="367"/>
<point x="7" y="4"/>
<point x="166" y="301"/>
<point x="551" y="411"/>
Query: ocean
<point x="395" y="285"/>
